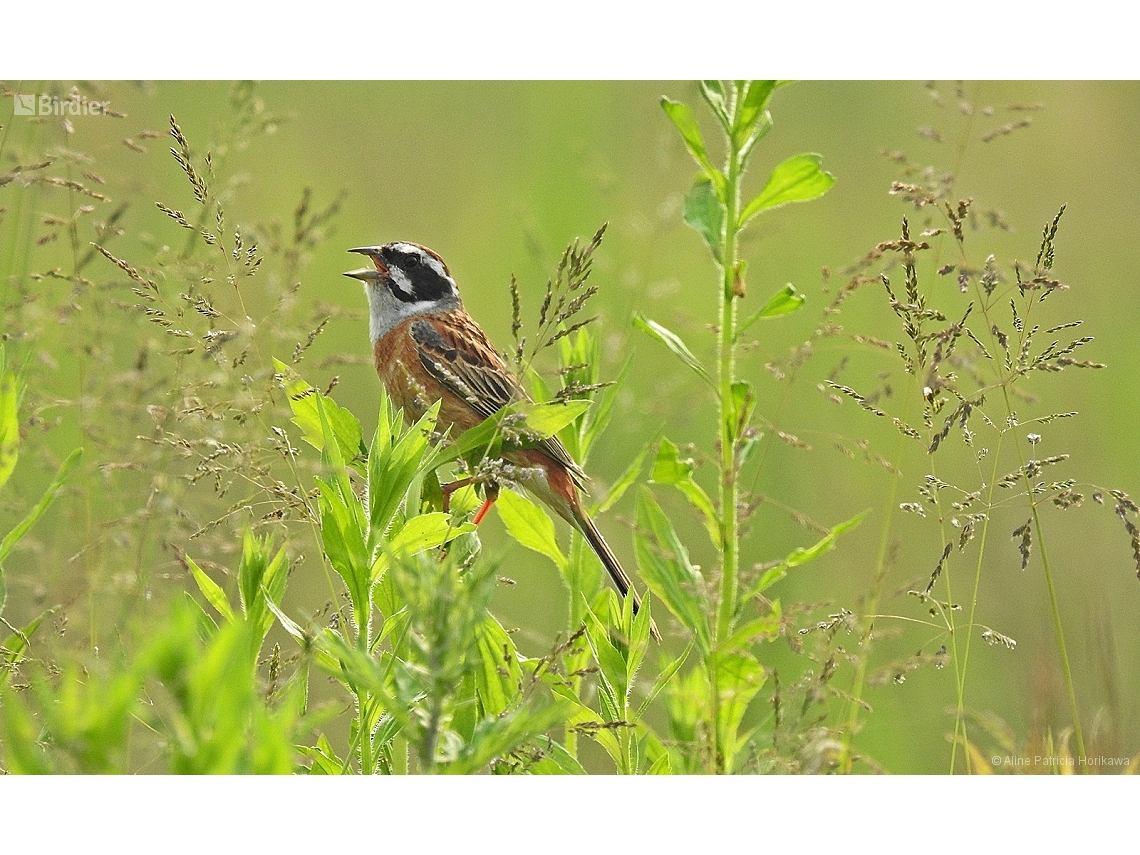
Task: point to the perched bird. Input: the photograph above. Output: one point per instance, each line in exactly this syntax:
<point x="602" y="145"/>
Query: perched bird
<point x="427" y="348"/>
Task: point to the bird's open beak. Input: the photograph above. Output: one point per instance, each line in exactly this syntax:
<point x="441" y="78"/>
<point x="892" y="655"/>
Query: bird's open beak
<point x="369" y="274"/>
<point x="365" y="274"/>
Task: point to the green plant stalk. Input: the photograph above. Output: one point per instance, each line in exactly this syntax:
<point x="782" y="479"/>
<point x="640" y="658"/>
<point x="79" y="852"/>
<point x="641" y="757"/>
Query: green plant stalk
<point x="575" y="663"/>
<point x="960" y="713"/>
<point x="726" y="371"/>
<point x="854" y="705"/>
<point x="1053" y="605"/>
<point x="726" y="375"/>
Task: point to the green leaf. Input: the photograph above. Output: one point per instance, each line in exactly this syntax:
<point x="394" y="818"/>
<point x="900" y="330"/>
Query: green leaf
<point x="743" y="405"/>
<point x="210" y="589"/>
<point x="753" y="121"/>
<point x="670" y="468"/>
<point x="802" y="555"/>
<point x="682" y="117"/>
<point x="615" y="676"/>
<point x="662" y="681"/>
<point x="540" y="421"/>
<point x="303" y="401"/>
<point x="556" y="760"/>
<point x="420" y="533"/>
<point x="673" y="342"/>
<point x="797" y="179"/>
<point x="761" y="629"/>
<point x="65" y="470"/>
<point x="258" y="574"/>
<point x="783" y="302"/>
<point x="738" y="678"/>
<point x="713" y="93"/>
<point x="343" y="539"/>
<point x="704" y="211"/>
<point x="623" y="483"/>
<point x="498" y="677"/>
<point x="13" y="647"/>
<point x="530" y="526"/>
<point x="9" y="423"/>
<point x="495" y="737"/>
<point x="397" y="456"/>
<point x="753" y="103"/>
<point x="665" y="567"/>
<point x="287" y="623"/>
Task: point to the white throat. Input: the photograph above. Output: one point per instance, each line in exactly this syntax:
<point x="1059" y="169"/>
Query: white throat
<point x="386" y="312"/>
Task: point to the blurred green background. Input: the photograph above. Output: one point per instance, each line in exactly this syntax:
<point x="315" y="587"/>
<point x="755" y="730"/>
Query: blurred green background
<point x="498" y="177"/>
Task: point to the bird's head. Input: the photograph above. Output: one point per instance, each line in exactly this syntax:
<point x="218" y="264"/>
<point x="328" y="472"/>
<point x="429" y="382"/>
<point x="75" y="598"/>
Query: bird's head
<point x="406" y="280"/>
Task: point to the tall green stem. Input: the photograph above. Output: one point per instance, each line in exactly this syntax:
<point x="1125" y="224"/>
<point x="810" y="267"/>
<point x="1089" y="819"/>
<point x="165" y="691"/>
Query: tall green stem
<point x="726" y="376"/>
<point x="726" y="371"/>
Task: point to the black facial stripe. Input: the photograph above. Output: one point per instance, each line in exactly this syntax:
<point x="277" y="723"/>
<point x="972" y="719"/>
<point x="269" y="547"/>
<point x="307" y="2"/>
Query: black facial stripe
<point x="402" y="295"/>
<point x="426" y="283"/>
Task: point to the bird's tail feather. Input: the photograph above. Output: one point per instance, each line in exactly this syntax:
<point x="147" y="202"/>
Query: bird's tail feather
<point x="606" y="555"/>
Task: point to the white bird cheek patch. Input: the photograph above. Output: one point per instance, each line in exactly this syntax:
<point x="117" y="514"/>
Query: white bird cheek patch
<point x="401" y="280"/>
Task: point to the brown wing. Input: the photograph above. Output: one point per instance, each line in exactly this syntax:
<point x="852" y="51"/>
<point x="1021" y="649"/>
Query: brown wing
<point x="456" y="353"/>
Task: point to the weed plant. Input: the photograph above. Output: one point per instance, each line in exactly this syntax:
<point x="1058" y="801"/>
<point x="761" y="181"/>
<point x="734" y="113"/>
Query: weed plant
<point x="208" y="472"/>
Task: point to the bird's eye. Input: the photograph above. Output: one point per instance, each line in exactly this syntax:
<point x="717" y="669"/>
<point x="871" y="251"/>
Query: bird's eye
<point x="413" y="261"/>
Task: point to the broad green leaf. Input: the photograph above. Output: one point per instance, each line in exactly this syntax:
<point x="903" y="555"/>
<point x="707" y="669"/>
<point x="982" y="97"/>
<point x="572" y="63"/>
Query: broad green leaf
<point x="761" y="629"/>
<point x="556" y="760"/>
<point x="530" y="526"/>
<point x="614" y="676"/>
<point x="665" y="567"/>
<point x="495" y="737"/>
<point x="704" y="212"/>
<point x="783" y="302"/>
<point x="547" y="419"/>
<point x="743" y="405"/>
<point x="9" y="423"/>
<point x="673" y="342"/>
<point x="397" y="456"/>
<point x="753" y="121"/>
<point x="670" y="468"/>
<point x="688" y="701"/>
<point x="498" y="677"/>
<point x="257" y="574"/>
<point x="210" y="589"/>
<point x="324" y="759"/>
<point x="65" y="470"/>
<point x="797" y="179"/>
<point x="343" y="540"/>
<point x="682" y="117"/>
<point x="426" y="531"/>
<point x="303" y="400"/>
<point x="738" y="678"/>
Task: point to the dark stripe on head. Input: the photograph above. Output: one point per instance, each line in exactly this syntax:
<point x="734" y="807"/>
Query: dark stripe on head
<point x="417" y="275"/>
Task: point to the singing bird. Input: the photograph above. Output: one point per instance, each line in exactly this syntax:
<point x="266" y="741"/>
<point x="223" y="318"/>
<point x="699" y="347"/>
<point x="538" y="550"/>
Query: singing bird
<point x="428" y="348"/>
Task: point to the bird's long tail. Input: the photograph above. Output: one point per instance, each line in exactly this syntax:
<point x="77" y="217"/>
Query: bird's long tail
<point x="581" y="521"/>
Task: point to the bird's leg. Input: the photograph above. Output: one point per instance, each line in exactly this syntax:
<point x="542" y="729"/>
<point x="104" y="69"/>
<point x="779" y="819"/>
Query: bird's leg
<point x="492" y="493"/>
<point x="449" y="488"/>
